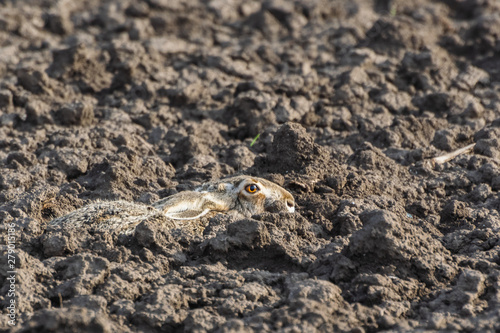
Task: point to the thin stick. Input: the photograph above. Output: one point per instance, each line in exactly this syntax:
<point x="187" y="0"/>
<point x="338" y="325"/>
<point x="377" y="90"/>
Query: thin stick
<point x="445" y="158"/>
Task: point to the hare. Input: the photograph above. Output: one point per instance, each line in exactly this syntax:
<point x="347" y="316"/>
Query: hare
<point x="244" y="195"/>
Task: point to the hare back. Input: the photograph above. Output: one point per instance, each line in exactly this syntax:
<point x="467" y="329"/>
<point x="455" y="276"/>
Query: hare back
<point x="121" y="216"/>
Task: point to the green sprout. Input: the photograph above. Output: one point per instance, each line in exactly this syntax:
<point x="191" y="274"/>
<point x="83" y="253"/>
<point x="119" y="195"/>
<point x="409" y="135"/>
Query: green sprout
<point x="393" y="11"/>
<point x="255" y="139"/>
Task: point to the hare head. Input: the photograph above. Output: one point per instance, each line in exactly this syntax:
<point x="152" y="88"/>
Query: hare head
<point x="243" y="194"/>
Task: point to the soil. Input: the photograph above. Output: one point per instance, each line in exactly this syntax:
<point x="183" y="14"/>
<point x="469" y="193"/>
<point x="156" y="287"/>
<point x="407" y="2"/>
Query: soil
<point x="125" y="100"/>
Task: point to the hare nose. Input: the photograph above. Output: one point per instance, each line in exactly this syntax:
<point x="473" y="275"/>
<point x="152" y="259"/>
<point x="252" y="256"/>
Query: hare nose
<point x="290" y="205"/>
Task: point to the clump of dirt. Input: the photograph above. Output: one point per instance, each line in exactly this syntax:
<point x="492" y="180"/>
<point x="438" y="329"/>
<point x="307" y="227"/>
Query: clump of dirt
<point x="342" y="104"/>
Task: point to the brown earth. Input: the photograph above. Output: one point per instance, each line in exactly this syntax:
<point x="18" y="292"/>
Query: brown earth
<point x="139" y="100"/>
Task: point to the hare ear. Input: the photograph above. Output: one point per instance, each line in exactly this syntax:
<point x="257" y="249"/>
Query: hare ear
<point x="189" y="205"/>
<point x="187" y="214"/>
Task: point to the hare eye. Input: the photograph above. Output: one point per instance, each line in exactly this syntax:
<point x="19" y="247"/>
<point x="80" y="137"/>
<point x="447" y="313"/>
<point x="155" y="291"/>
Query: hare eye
<point x="251" y="188"/>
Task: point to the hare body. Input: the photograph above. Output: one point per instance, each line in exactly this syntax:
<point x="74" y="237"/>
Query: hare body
<point x="243" y="194"/>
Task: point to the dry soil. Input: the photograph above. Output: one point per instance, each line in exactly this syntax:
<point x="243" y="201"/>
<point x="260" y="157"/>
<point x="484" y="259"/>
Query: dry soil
<point x="137" y="100"/>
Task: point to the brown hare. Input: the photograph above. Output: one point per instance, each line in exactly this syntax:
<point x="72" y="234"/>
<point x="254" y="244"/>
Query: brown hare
<point x="244" y="195"/>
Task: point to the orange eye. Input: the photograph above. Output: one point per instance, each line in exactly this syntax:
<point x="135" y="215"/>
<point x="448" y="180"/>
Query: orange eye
<point x="251" y="188"/>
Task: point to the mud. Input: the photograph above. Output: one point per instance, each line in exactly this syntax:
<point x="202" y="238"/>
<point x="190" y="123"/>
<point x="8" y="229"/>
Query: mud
<point x="123" y="100"/>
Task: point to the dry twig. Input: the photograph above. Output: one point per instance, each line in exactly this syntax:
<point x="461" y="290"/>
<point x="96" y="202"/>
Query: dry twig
<point x="447" y="157"/>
